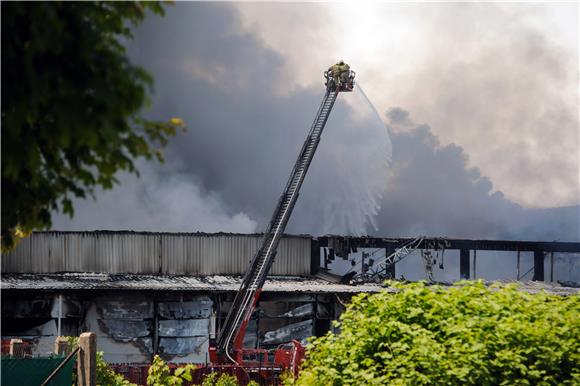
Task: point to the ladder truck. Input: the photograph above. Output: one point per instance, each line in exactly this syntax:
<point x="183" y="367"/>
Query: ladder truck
<point x="227" y="353"/>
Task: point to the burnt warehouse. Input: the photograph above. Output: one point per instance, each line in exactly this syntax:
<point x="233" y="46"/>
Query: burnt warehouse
<point x="168" y="293"/>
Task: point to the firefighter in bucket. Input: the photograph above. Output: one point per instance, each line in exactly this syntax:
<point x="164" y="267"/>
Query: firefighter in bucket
<point x="339" y="77"/>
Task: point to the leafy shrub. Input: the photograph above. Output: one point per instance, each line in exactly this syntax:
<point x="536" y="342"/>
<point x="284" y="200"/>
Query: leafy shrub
<point x="159" y="374"/>
<point x="467" y="334"/>
<point x="106" y="376"/>
<point x="215" y="379"/>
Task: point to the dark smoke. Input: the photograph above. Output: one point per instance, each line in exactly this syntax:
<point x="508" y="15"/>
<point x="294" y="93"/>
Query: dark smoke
<point x="432" y="191"/>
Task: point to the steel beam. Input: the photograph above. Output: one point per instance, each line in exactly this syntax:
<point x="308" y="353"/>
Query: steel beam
<point x="391" y="270"/>
<point x="464" y="264"/>
<point x="538" y="265"/>
<point x="483" y="245"/>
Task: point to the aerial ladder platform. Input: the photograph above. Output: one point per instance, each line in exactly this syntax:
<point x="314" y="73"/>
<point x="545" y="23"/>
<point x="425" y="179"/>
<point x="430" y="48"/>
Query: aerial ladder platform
<point x="228" y="347"/>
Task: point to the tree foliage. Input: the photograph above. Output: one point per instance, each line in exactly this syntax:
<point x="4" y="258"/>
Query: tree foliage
<point x="467" y="334"/>
<point x="71" y="106"/>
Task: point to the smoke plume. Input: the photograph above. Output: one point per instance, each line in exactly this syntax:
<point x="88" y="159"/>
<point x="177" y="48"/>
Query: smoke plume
<point x="227" y="172"/>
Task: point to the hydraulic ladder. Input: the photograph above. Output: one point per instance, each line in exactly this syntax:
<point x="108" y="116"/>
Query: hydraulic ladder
<point x="232" y="333"/>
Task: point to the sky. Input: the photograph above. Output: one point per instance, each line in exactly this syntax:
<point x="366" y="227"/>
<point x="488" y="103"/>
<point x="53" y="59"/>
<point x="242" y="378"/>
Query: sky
<point x="472" y="132"/>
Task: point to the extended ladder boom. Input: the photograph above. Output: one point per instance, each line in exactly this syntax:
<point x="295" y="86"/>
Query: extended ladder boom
<point x="233" y="329"/>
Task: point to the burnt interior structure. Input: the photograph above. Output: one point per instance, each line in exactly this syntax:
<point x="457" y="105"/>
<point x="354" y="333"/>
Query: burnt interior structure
<point x="342" y="245"/>
<point x="134" y="325"/>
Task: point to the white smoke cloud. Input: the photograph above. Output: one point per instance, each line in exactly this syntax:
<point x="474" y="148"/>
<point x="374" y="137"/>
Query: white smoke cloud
<point x="161" y="200"/>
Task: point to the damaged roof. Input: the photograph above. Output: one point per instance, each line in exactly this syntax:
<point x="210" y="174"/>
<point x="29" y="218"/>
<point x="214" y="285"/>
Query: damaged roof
<point x="215" y="283"/>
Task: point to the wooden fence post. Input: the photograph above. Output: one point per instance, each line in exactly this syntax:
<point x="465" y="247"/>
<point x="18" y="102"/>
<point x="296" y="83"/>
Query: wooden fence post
<point x="61" y="346"/>
<point x="87" y="359"/>
<point x="16" y="348"/>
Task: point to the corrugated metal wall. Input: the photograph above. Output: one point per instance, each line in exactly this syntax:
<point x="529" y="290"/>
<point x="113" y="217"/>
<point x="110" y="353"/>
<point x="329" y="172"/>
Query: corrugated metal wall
<point x="151" y="253"/>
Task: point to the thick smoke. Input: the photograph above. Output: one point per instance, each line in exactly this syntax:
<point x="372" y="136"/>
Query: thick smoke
<point x="229" y="169"/>
<point x="244" y="136"/>
<point x="160" y="200"/>
<point x="431" y="190"/>
<point x="500" y="80"/>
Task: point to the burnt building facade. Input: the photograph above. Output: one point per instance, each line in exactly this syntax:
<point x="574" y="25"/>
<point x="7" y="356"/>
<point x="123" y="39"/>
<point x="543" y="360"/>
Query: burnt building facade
<point x="158" y="293"/>
<point x="168" y="293"/>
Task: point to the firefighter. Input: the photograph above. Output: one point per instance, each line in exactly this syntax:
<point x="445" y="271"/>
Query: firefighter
<point x="340" y="72"/>
<point x="344" y="70"/>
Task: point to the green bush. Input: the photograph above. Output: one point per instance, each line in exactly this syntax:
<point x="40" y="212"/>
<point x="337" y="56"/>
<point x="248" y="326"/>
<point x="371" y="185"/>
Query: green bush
<point x="215" y="379"/>
<point x="106" y="376"/>
<point x="467" y="334"/>
<point x="160" y="375"/>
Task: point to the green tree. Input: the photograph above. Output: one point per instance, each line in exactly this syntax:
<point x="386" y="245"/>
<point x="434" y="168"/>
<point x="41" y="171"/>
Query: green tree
<point x="72" y="106"/>
<point x="467" y="334"/>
